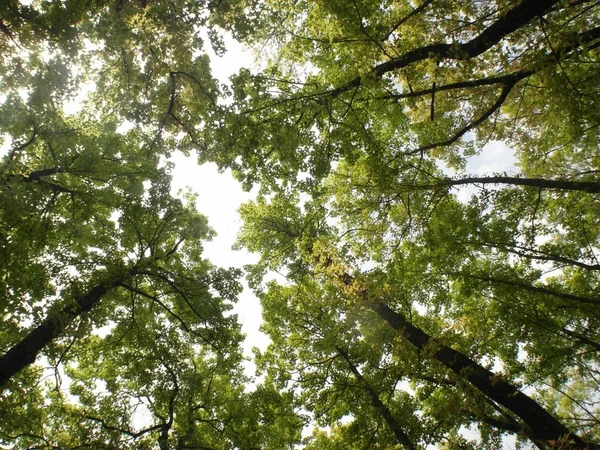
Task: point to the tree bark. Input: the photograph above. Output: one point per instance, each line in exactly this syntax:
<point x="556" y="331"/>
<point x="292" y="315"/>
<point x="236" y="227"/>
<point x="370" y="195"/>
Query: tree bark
<point x="514" y="19"/>
<point x="533" y="253"/>
<point x="391" y="421"/>
<point x="542" y="426"/>
<point x="531" y="288"/>
<point x="25" y="352"/>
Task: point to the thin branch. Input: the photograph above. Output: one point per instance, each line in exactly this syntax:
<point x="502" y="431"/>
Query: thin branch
<point x="491" y="110"/>
<point x="404" y="19"/>
<point x="133" y="434"/>
<point x="540" y="255"/>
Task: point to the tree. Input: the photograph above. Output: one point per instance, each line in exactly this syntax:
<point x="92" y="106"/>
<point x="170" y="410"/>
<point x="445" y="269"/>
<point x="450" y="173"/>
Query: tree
<point x="410" y="313"/>
<point x="92" y="241"/>
<point x="373" y="111"/>
<point x="293" y="323"/>
<point x="104" y="286"/>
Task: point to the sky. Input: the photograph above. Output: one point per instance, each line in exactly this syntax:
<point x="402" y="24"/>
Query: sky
<point x="219" y="197"/>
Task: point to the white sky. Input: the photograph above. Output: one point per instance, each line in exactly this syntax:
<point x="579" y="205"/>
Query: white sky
<point x="219" y="197"/>
<point x="496" y="157"/>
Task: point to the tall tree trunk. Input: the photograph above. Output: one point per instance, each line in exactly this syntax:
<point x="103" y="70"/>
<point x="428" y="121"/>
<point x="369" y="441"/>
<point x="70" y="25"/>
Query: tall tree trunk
<point x="543" y="426"/>
<point x="391" y="421"/>
<point x="25" y="352"/>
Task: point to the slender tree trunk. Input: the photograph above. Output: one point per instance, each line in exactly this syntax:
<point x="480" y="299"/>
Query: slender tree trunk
<point x="581" y="338"/>
<point x="391" y="421"/>
<point x="25" y="352"/>
<point x="543" y="426"/>
<point x="533" y="253"/>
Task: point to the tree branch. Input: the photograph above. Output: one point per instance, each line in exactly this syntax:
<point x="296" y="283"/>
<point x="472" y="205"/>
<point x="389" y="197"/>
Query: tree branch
<point x="531" y="288"/>
<point x="391" y="421"/>
<point x="510" y="22"/>
<point x="543" y="426"/>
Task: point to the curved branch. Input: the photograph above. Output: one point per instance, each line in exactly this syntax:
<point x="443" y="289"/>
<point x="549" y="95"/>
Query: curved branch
<point x="489" y="81"/>
<point x="491" y="110"/>
<point x="18" y="148"/>
<point x="592" y="187"/>
<point x="169" y="311"/>
<point x="514" y="19"/>
<point x="404" y="19"/>
<point x="200" y="85"/>
<point x="132" y="434"/>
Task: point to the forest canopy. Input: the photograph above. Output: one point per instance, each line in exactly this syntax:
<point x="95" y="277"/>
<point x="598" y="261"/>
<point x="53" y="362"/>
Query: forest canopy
<point x="419" y="301"/>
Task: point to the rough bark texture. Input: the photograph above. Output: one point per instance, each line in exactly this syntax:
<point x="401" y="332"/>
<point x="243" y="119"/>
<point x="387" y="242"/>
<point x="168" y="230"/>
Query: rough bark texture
<point x="25" y="352"/>
<point x="543" y="426"/>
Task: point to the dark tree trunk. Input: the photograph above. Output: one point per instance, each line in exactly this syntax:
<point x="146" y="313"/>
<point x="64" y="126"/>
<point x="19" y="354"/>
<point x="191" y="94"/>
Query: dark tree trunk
<point x="531" y="288"/>
<point x="533" y="253"/>
<point x="543" y="427"/>
<point x="583" y="186"/>
<point x="25" y="352"/>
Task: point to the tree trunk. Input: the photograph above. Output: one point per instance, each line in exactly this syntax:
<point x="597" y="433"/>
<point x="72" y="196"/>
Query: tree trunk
<point x="532" y="288"/>
<point x="583" y="186"/>
<point x="25" y="352"/>
<point x="543" y="426"/>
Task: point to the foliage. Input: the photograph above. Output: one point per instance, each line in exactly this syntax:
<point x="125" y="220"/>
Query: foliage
<point x="116" y="333"/>
<point x="425" y="303"/>
<point x="373" y="111"/>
